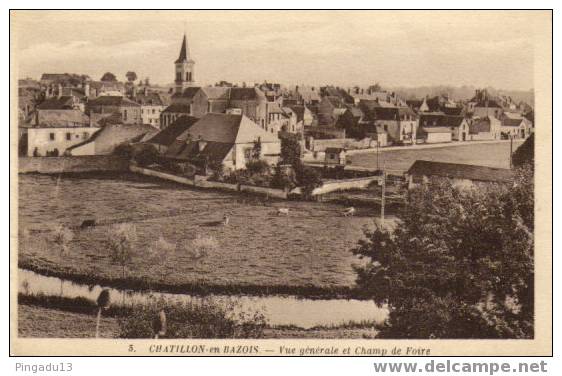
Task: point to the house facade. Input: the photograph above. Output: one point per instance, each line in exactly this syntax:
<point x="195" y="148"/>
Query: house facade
<point x="129" y="110"/>
<point x="229" y="139"/>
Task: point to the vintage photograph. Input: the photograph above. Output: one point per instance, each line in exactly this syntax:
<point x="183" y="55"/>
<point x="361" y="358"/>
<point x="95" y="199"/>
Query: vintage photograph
<point x="351" y="175"/>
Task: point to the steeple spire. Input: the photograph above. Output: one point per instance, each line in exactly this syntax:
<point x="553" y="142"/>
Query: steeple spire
<point x="183" y="52"/>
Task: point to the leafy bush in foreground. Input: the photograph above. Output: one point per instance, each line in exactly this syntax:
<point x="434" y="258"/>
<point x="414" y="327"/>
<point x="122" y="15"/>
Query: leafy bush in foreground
<point x="206" y="318"/>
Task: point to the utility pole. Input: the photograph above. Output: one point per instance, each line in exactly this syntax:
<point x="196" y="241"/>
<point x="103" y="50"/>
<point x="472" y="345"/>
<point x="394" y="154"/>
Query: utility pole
<point x="382" y="196"/>
<point x="510" y="151"/>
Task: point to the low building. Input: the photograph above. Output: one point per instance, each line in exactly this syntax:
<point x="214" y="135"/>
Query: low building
<point x="462" y="175"/>
<point x="229" y="139"/>
<point x="106" y="139"/>
<point x="108" y="104"/>
<point x="488" y="128"/>
<point x="515" y="125"/>
<point x="400" y="123"/>
<point x="55" y="140"/>
<point x="151" y="107"/>
<point x="335" y="156"/>
<point x="435" y="135"/>
<point x="167" y="136"/>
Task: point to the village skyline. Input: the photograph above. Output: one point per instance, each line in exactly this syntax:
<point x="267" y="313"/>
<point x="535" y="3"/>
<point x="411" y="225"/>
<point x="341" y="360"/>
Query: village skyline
<point x="274" y="49"/>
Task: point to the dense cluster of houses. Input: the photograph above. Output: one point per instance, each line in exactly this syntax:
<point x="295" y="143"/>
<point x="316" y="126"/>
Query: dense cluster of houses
<point x="70" y="114"/>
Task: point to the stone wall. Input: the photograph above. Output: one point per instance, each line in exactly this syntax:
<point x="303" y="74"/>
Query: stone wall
<point x="347" y="143"/>
<point x="56" y="165"/>
<point x="346" y="184"/>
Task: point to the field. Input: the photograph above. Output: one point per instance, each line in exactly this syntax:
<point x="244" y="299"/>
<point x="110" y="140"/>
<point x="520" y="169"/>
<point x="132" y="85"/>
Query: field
<point x="307" y="253"/>
<point x="40" y="322"/>
<point x="485" y="154"/>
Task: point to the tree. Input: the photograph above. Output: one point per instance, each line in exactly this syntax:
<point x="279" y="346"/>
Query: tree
<point x="160" y="252"/>
<point x="290" y="150"/>
<point x="459" y="264"/>
<point x="131" y="76"/>
<point x="120" y="241"/>
<point x="108" y="76"/>
<point x="525" y="154"/>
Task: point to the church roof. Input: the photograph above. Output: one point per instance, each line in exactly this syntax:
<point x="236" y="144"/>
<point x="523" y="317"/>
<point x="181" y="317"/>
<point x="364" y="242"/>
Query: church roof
<point x="184" y="52"/>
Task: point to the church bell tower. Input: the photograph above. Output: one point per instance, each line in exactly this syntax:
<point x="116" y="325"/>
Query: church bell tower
<point x="184" y="68"/>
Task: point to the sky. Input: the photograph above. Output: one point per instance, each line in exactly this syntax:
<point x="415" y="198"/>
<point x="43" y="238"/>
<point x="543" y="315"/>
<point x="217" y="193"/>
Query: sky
<point x="394" y="48"/>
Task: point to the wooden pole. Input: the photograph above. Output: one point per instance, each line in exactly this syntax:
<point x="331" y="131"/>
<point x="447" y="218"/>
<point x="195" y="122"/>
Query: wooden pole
<point x="98" y="323"/>
<point x="510" y="151"/>
<point x="382" y="196"/>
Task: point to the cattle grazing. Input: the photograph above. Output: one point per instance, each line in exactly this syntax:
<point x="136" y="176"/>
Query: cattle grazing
<point x="283" y="211"/>
<point x="349" y="212"/>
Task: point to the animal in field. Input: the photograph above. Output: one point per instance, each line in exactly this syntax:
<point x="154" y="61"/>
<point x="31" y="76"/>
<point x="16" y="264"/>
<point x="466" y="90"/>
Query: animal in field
<point x="349" y="212"/>
<point x="223" y="222"/>
<point x="88" y="223"/>
<point x="283" y="211"/>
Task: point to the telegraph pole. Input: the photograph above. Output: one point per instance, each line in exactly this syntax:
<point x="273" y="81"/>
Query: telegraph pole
<point x="382" y="196"/>
<point x="510" y="151"/>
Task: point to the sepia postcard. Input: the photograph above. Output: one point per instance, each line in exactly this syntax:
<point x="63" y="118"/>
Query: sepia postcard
<point x="281" y="183"/>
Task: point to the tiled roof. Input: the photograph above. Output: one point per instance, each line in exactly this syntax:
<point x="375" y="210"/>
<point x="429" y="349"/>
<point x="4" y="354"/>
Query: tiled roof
<point x="215" y="150"/>
<point x="299" y="111"/>
<point x="169" y="134"/>
<point x="460" y="171"/>
<point x="112" y="100"/>
<point x="245" y="93"/>
<point x="392" y="113"/>
<point x="62" y="103"/>
<point x="151" y="99"/>
<point x="216" y="92"/>
<point x="188" y="92"/>
<point x="177" y="108"/>
<point x="216" y="127"/>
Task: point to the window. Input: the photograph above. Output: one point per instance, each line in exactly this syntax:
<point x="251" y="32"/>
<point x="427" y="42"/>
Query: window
<point x="52" y="136"/>
<point x="153" y="111"/>
<point x="209" y="107"/>
<point x="385" y="127"/>
<point x="68" y="136"/>
<point x="124" y="114"/>
<point x="247" y="154"/>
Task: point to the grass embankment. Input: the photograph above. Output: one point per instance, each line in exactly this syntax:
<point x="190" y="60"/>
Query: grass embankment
<point x="42" y="316"/>
<point x="194" y="289"/>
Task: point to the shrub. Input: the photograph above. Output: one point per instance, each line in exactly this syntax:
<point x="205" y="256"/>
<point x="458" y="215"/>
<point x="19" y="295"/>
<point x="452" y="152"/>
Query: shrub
<point x="120" y="240"/>
<point x="206" y="318"/>
<point x="308" y="178"/>
<point x="124" y="150"/>
<point x="62" y="236"/>
<point x="258" y="167"/>
<point x="146" y="155"/>
<point x="202" y="245"/>
<point x="160" y="252"/>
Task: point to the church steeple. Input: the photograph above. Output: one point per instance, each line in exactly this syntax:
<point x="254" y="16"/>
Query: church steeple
<point x="184" y="68"/>
<point x="183" y="52"/>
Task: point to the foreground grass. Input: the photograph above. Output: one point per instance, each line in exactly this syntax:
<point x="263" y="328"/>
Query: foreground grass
<point x="40" y="322"/>
<point x="258" y="253"/>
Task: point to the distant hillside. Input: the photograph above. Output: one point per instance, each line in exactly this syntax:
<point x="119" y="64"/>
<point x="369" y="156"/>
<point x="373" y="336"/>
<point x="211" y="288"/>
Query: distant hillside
<point x="460" y="93"/>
